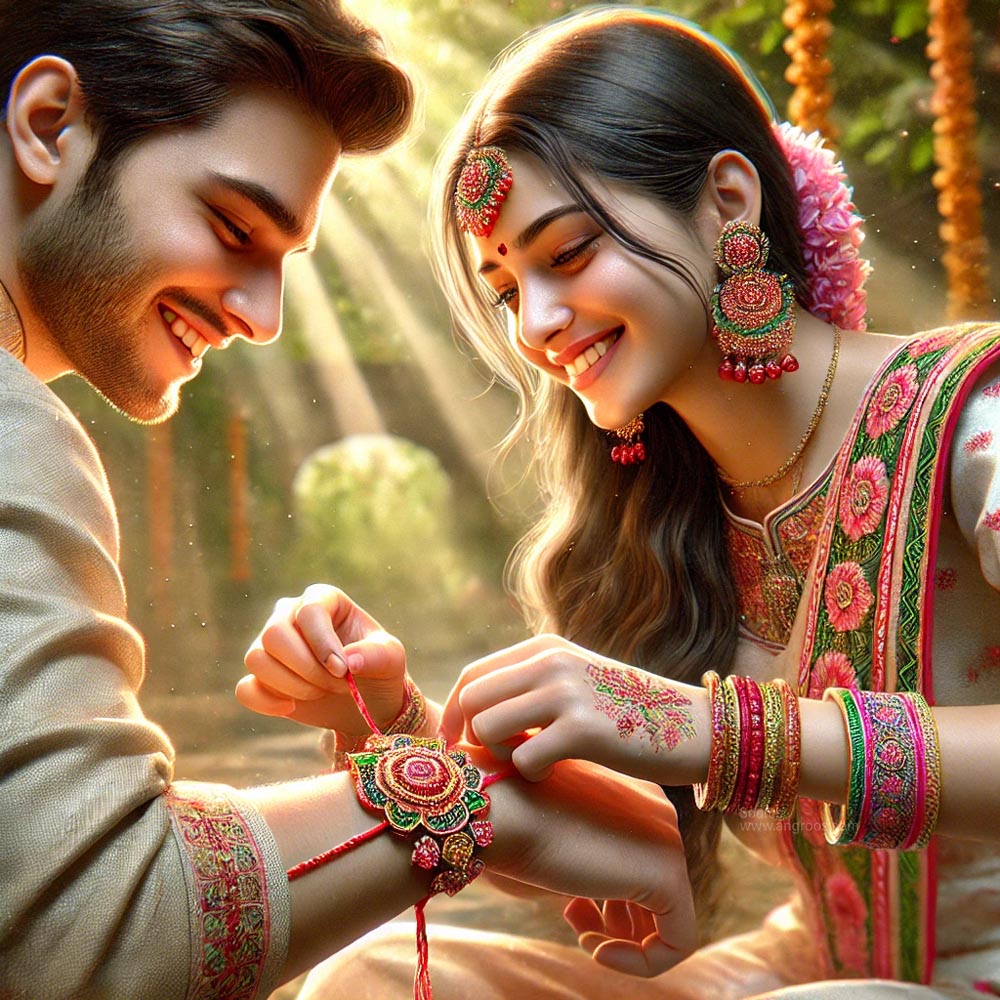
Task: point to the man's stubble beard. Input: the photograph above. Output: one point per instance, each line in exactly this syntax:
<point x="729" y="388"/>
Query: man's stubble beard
<point x="90" y="287"/>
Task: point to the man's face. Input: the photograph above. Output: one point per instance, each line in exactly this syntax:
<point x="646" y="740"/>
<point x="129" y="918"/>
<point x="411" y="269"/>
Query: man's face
<point x="182" y="248"/>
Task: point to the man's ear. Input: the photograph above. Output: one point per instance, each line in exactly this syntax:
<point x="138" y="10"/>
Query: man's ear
<point x="732" y="188"/>
<point x="45" y="120"/>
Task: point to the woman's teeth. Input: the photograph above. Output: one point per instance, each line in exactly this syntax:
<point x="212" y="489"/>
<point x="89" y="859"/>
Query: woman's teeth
<point x="191" y="339"/>
<point x="591" y="355"/>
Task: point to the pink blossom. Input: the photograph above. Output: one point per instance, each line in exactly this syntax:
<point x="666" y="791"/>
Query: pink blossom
<point x="847" y="596"/>
<point x="831" y="229"/>
<point x="832" y="669"/>
<point x="863" y="499"/>
<point x="892" y="400"/>
<point x="848" y="914"/>
<point x="946" y="578"/>
<point x="992" y="520"/>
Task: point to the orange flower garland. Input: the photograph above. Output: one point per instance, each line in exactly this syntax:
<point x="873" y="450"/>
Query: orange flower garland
<point x="809" y="23"/>
<point x="958" y="175"/>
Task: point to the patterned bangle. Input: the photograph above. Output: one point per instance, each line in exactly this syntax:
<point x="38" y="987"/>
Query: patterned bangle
<point x="774" y="746"/>
<point x="843" y="829"/>
<point x="706" y="794"/>
<point x="791" y="762"/>
<point x="926" y="728"/>
<point x="731" y="762"/>
<point x="893" y="771"/>
<point x="412" y="717"/>
<point x="757" y="742"/>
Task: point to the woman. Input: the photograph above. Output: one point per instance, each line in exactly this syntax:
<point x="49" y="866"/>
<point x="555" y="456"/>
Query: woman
<point x="737" y="478"/>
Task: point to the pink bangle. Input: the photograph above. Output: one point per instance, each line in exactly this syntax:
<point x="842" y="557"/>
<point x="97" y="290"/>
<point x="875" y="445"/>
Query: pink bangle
<point x="755" y="706"/>
<point x="706" y="794"/>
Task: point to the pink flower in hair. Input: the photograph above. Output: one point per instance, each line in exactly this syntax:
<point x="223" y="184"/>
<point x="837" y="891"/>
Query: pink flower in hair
<point x="831" y="229"/>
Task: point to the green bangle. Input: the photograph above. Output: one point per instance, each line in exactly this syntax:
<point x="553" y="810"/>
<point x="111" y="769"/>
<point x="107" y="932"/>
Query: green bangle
<point x="842" y="828"/>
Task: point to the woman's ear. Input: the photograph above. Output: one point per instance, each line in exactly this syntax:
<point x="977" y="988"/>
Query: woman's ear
<point x="45" y="120"/>
<point x="732" y="188"/>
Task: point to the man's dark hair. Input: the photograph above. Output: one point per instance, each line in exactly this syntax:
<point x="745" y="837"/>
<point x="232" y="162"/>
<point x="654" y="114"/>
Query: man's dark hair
<point x="150" y="64"/>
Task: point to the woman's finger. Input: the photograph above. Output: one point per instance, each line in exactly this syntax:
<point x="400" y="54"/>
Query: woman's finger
<point x="378" y="655"/>
<point x="315" y="623"/>
<point x="275" y="675"/>
<point x="537" y="755"/>
<point x="618" y="920"/>
<point x="253" y="695"/>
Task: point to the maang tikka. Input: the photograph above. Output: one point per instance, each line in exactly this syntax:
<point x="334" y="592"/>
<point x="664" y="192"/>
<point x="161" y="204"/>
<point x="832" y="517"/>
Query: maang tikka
<point x="753" y="309"/>
<point x="482" y="187"/>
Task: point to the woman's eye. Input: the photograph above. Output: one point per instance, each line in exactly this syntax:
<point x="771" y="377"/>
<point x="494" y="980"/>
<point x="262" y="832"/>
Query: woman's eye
<point x="584" y="249"/>
<point x="240" y="235"/>
<point x="504" y="298"/>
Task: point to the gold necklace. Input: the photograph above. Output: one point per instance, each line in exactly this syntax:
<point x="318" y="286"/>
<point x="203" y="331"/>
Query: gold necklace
<point x="11" y="331"/>
<point x="786" y="466"/>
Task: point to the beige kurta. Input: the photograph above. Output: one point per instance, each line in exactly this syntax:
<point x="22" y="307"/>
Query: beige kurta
<point x="113" y="882"/>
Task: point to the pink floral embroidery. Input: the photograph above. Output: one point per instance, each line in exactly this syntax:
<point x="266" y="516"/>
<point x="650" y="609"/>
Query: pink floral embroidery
<point x="892" y="399"/>
<point x="979" y="441"/>
<point x="925" y="345"/>
<point x="946" y="578"/>
<point x="863" y="499"/>
<point x="848" y="915"/>
<point x="992" y="520"/>
<point x="847" y="596"/>
<point x="992" y="391"/>
<point x="988" y="663"/>
<point x="832" y="669"/>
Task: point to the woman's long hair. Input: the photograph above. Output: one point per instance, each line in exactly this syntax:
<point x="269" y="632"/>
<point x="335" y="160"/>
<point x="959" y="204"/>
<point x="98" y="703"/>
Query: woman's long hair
<point x="628" y="561"/>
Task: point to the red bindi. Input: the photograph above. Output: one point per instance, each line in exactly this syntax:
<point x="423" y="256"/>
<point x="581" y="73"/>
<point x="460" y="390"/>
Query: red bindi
<point x="502" y="249"/>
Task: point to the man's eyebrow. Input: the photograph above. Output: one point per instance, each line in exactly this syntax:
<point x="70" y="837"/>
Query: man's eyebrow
<point x="272" y="206"/>
<point x="533" y="230"/>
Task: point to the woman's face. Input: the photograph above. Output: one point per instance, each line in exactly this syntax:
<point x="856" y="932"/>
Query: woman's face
<point x="621" y="331"/>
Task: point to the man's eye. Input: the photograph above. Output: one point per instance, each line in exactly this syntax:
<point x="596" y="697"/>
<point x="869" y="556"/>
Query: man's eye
<point x="240" y="235"/>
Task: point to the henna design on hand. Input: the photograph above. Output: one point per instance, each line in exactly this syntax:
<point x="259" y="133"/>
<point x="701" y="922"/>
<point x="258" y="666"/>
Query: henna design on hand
<point x="636" y="704"/>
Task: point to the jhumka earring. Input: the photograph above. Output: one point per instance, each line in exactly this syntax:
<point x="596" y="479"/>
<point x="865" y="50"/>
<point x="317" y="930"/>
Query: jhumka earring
<point x="753" y="309"/>
<point x="630" y="450"/>
<point x="482" y="187"/>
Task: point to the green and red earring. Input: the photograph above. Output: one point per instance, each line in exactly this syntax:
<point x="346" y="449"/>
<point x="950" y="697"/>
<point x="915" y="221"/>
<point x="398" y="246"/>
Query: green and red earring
<point x="753" y="309"/>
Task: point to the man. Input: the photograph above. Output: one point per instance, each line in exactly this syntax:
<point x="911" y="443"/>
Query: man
<point x="159" y="161"/>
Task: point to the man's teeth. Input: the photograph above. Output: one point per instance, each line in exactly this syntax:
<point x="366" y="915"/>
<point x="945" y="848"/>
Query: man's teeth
<point x="191" y="339"/>
<point x="590" y="356"/>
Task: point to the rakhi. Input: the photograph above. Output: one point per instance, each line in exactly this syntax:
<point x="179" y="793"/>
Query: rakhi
<point x="427" y="790"/>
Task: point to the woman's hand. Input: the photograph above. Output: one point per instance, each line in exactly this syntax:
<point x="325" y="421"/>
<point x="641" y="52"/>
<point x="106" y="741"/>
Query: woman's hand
<point x="589" y="832"/>
<point x="298" y="663"/>
<point x="578" y="705"/>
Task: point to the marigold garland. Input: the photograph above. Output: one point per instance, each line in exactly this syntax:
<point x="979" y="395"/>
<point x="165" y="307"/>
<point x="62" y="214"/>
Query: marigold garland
<point x="958" y="175"/>
<point x="809" y="23"/>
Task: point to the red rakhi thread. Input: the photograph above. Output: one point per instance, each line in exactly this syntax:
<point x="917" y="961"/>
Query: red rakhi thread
<point x="352" y="685"/>
<point x="321" y="859"/>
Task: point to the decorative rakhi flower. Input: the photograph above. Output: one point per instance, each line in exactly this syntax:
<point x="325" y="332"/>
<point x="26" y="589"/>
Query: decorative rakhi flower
<point x="847" y="596"/>
<point x="419" y="782"/>
<point x="863" y="500"/>
<point x="892" y="401"/>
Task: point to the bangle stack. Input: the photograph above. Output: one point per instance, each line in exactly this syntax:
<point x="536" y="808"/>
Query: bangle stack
<point x="756" y="747"/>
<point x="894" y="773"/>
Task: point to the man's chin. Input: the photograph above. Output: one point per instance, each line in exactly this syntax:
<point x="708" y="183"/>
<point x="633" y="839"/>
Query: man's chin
<point x="148" y="410"/>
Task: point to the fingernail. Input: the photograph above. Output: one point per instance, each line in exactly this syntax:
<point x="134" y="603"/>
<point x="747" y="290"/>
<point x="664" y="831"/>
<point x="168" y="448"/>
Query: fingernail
<point x="355" y="662"/>
<point x="335" y="664"/>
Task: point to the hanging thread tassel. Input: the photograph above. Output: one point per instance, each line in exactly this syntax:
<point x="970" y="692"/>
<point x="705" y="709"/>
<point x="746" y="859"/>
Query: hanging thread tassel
<point x="422" y="977"/>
